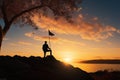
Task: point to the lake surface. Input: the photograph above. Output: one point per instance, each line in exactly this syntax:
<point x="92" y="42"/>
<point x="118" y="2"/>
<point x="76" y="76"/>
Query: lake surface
<point x="96" y="67"/>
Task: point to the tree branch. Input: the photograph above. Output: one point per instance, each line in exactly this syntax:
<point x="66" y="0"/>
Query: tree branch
<point x="0" y="28"/>
<point x="7" y="26"/>
<point x="5" y="29"/>
<point x="23" y="12"/>
<point x="1" y="33"/>
<point x="1" y="36"/>
<point x="4" y="13"/>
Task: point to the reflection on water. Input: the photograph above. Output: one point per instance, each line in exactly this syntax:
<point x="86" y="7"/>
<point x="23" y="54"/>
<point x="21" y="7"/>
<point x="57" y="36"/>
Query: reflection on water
<point x="96" y="67"/>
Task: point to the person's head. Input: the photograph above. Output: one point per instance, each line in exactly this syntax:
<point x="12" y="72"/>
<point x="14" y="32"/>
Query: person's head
<point x="45" y="42"/>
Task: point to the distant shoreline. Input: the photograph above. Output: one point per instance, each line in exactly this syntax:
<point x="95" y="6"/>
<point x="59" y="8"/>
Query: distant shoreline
<point x="101" y="61"/>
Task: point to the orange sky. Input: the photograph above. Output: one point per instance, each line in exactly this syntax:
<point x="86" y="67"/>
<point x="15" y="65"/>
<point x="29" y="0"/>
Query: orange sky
<point x="79" y="41"/>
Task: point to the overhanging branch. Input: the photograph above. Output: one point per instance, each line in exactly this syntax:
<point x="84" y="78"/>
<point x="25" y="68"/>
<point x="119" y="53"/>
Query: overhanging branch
<point x="3" y="8"/>
<point x="7" y="26"/>
<point x="23" y="12"/>
<point x="1" y="32"/>
<point x="1" y="36"/>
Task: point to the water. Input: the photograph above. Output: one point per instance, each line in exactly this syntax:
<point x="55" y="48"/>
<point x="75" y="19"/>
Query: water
<point x="96" y="67"/>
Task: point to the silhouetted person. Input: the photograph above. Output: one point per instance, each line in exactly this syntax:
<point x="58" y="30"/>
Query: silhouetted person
<point x="46" y="48"/>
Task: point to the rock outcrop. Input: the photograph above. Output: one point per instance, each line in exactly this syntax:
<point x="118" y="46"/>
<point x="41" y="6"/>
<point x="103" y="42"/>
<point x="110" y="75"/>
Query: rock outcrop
<point x="37" y="68"/>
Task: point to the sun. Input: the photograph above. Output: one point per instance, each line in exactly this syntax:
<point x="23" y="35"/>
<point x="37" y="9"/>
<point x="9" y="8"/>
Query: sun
<point x="67" y="60"/>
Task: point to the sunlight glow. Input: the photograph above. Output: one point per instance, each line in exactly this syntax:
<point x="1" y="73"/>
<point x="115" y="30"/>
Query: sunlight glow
<point x="67" y="60"/>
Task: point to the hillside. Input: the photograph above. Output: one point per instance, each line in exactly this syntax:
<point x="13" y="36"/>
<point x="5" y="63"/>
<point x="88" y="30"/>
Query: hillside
<point x="37" y="68"/>
<point x="106" y="75"/>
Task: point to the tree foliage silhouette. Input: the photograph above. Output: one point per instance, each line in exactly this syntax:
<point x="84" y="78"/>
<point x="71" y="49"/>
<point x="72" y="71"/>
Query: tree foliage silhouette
<point x="14" y="11"/>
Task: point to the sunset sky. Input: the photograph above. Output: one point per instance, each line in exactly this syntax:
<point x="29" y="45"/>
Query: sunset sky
<point x="94" y="35"/>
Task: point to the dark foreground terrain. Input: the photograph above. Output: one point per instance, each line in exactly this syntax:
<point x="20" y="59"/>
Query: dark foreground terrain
<point x="37" y="68"/>
<point x="106" y="75"/>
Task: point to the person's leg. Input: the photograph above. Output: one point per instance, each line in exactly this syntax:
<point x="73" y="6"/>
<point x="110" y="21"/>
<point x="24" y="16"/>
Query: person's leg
<point x="50" y="52"/>
<point x="44" y="54"/>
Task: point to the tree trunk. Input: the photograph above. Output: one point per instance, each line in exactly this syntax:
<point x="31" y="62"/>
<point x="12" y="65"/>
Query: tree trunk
<point x="0" y="41"/>
<point x="8" y="23"/>
<point x="3" y="33"/>
<point x="1" y="37"/>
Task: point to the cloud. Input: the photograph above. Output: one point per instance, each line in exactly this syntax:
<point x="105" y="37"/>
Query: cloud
<point x="55" y="39"/>
<point x="38" y="37"/>
<point x="95" y="18"/>
<point x="24" y="43"/>
<point x="12" y="44"/>
<point x="21" y="43"/>
<point x="109" y="43"/>
<point x="97" y="57"/>
<point x="5" y="39"/>
<point x="118" y="31"/>
<point x="84" y="29"/>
